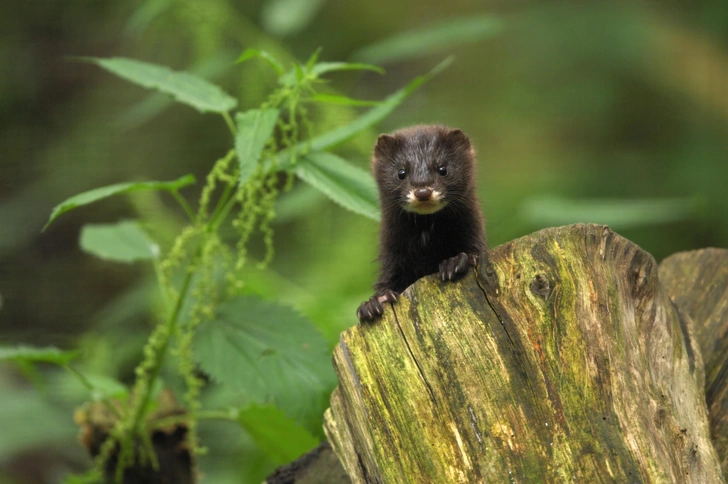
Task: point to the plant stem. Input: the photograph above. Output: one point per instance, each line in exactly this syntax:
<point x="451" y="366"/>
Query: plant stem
<point x="183" y="203"/>
<point x="230" y="124"/>
<point x="226" y="415"/>
<point x="222" y="208"/>
<point x="159" y="356"/>
<point x="89" y="386"/>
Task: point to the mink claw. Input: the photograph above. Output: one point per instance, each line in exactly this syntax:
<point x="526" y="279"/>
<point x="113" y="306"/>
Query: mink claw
<point x="364" y="313"/>
<point x="370" y="310"/>
<point x="455" y="266"/>
<point x="388" y="296"/>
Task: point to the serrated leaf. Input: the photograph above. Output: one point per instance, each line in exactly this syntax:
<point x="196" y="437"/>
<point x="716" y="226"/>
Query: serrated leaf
<point x="31" y="354"/>
<point x="267" y="425"/>
<point x="253" y="53"/>
<point x="442" y="37"/>
<point x="337" y="136"/>
<point x="120" y="242"/>
<point x="184" y="87"/>
<point x="349" y="186"/>
<point x="321" y="97"/>
<point x="255" y="127"/>
<point x="104" y="192"/>
<point x="267" y="353"/>
<point x="155" y="103"/>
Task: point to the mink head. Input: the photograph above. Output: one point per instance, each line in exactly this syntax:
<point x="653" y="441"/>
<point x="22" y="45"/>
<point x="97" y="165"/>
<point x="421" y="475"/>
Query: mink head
<point x="424" y="169"/>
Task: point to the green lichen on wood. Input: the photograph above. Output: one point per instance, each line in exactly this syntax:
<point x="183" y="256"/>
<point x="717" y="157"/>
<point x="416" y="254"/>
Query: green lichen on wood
<point x="559" y="358"/>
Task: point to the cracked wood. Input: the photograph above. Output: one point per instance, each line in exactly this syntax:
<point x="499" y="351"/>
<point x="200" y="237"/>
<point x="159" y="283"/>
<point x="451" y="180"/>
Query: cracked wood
<point x="560" y="357"/>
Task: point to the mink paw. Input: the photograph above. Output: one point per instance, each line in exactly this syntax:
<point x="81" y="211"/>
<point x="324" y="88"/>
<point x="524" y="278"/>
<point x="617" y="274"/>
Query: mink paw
<point x="454" y="267"/>
<point x="374" y="308"/>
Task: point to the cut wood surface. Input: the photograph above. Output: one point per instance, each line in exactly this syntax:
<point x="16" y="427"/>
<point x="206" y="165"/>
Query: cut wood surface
<point x="559" y="358"/>
<point x="697" y="282"/>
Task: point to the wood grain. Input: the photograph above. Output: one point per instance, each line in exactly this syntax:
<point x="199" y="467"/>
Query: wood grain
<point x="559" y="358"/>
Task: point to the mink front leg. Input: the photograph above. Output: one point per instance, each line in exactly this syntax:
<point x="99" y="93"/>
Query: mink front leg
<point x="454" y="267"/>
<point x="374" y="308"/>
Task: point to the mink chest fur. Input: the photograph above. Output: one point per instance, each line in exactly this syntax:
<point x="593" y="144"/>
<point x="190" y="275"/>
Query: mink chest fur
<point x="431" y="217"/>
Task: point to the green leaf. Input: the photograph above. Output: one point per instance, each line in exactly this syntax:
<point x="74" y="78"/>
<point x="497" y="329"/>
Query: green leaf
<point x="277" y="435"/>
<point x="184" y="87"/>
<point x="324" y="67"/>
<point x="370" y="118"/>
<point x="349" y="186"/>
<point x="255" y="127"/>
<point x="548" y="211"/>
<point x="30" y="354"/>
<point x="93" y="476"/>
<point x="375" y="115"/>
<point x="104" y="192"/>
<point x="120" y="242"/>
<point x="266" y="353"/>
<point x="320" y="97"/>
<point x="443" y="37"/>
<point x="253" y="53"/>
<point x="311" y="62"/>
<point x="289" y="79"/>
<point x="155" y="103"/>
<point x="105" y="388"/>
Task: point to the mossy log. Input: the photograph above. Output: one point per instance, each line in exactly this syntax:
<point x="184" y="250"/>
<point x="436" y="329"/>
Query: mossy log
<point x="697" y="282"/>
<point x="559" y="358"/>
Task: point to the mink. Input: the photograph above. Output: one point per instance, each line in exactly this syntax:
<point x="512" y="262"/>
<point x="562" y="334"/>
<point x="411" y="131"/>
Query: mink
<point x="431" y="217"/>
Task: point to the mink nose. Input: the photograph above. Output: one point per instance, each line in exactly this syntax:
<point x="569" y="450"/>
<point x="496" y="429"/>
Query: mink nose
<point x="423" y="194"/>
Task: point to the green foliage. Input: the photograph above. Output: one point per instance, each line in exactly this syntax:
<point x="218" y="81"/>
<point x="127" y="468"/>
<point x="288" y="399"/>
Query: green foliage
<point x="267" y="424"/>
<point x="264" y="358"/>
<point x="185" y="88"/>
<point x="337" y="136"/>
<point x="442" y="37"/>
<point x="253" y="53"/>
<point x="29" y="354"/>
<point x="349" y="186"/>
<point x="267" y="353"/>
<point x="254" y="129"/>
<point x="105" y="192"/>
<point x="320" y="97"/>
<point x="120" y="242"/>
<point x="104" y="388"/>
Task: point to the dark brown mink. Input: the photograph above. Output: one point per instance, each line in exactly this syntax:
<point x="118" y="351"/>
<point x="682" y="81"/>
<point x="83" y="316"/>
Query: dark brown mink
<point x="431" y="217"/>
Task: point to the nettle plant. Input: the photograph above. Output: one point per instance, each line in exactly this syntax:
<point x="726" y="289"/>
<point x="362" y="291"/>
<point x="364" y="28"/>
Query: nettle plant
<point x="209" y="331"/>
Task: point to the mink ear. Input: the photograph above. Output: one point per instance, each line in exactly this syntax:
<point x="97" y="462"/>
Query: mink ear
<point x="457" y="138"/>
<point x="385" y="145"/>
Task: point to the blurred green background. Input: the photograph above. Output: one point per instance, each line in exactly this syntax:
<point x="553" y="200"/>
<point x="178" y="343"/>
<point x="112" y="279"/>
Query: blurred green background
<point x="608" y="112"/>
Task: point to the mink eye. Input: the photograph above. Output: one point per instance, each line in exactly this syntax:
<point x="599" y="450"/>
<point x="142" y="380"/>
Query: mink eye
<point x="442" y="170"/>
<point x="401" y="174"/>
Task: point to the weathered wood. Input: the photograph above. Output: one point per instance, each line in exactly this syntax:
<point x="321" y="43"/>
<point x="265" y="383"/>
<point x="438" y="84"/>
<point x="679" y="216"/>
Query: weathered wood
<point x="697" y="283"/>
<point x="560" y="358"/>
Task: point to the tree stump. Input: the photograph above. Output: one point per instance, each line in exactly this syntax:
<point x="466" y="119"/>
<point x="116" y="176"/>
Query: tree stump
<point x="697" y="282"/>
<point x="559" y="358"/>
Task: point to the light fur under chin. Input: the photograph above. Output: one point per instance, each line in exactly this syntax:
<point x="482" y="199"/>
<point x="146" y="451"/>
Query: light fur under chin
<point x="434" y="204"/>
